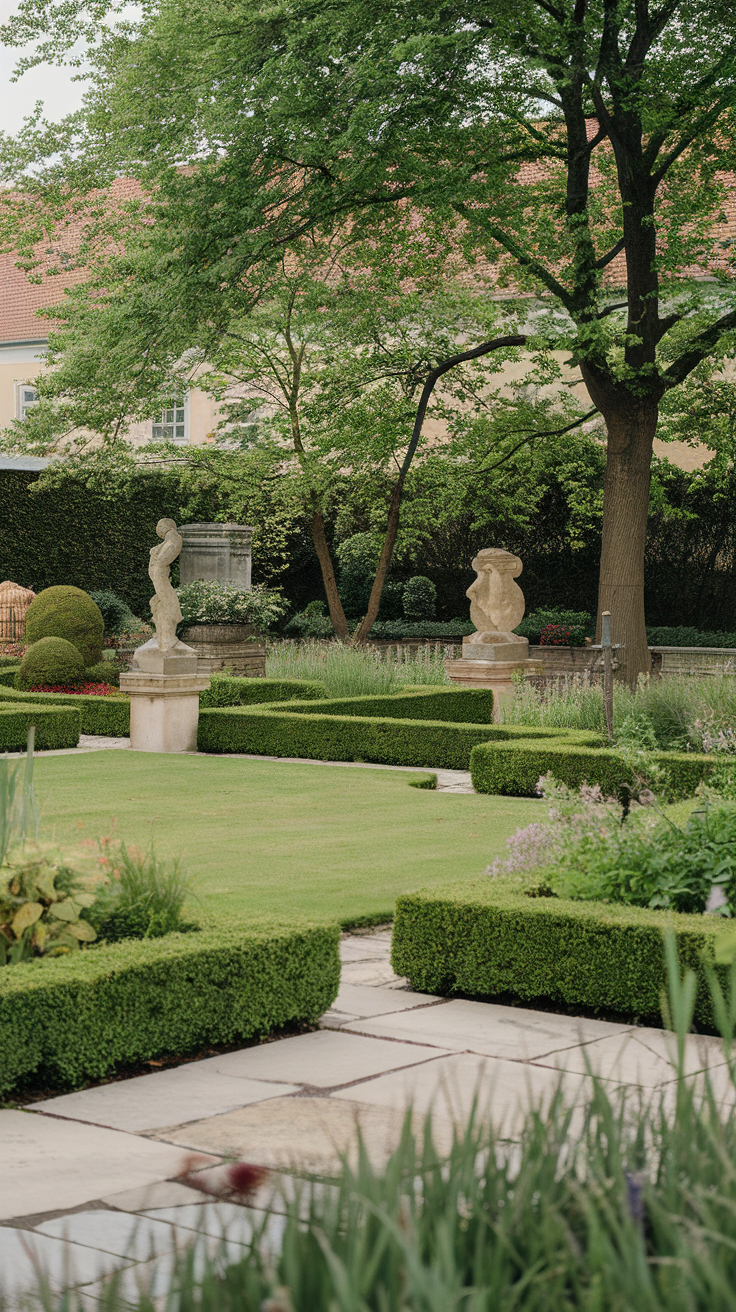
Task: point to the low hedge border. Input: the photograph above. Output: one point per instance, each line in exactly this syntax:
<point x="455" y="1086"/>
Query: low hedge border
<point x="68" y="1020"/>
<point x="491" y="937"/>
<point x="231" y="690"/>
<point x="56" y="726"/>
<point x="513" y="768"/>
<point x="308" y="732"/>
<point x="457" y="705"/>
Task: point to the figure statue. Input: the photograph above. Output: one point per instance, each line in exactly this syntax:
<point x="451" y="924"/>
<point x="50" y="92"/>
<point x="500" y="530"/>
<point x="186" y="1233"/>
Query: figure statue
<point x="165" y="606"/>
<point x="496" y="601"/>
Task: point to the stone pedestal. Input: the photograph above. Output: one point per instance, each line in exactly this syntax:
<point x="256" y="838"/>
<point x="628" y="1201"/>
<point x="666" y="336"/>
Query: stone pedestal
<point x="490" y="674"/>
<point x="232" y="647"/>
<point x="221" y="552"/>
<point x="164" y="688"/>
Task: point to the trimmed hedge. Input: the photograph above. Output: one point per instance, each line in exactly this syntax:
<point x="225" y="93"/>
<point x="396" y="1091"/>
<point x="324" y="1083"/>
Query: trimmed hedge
<point x="514" y="768"/>
<point x="492" y="937"/>
<point x="230" y="690"/>
<point x="308" y="732"/>
<point x="7" y="676"/>
<point x="56" y="726"/>
<point x="67" y="1020"/>
<point x="458" y="705"/>
<point x="107" y="716"/>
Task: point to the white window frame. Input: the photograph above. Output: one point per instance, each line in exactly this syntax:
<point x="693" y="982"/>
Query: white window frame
<point x="172" y="423"/>
<point x="22" y="403"/>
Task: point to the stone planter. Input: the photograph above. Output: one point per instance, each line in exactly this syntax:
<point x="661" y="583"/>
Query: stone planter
<point x="216" y="551"/>
<point x="233" y="647"/>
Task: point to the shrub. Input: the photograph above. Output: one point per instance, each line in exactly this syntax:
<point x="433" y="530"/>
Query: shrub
<point x="207" y="602"/>
<point x="143" y="896"/>
<point x="357" y="557"/>
<point x="682" y="636"/>
<point x="42" y="905"/>
<point x="228" y="690"/>
<point x="496" y="936"/>
<point x="106" y="716"/>
<point x="105" y="672"/>
<point x="405" y="631"/>
<point x="420" y="598"/>
<point x="69" y="613"/>
<point x="75" y="1019"/>
<point x="50" y="660"/>
<point x="116" y="613"/>
<point x="312" y="622"/>
<point x="456" y="705"/>
<point x="531" y="626"/>
<point x="561" y="635"/>
<point x="57" y="726"/>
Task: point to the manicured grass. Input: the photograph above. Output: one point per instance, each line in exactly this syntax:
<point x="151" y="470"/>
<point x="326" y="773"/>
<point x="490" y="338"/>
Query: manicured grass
<point x="331" y="842"/>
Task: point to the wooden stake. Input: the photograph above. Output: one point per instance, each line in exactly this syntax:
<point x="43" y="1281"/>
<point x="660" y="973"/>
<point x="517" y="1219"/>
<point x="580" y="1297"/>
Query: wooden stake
<point x="607" y="670"/>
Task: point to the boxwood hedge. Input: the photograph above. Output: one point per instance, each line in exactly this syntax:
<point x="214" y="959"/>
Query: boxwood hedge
<point x="56" y="726"/>
<point x="458" y="705"/>
<point x="514" y="767"/>
<point x="495" y="936"/>
<point x="230" y="690"/>
<point x="71" y="1019"/>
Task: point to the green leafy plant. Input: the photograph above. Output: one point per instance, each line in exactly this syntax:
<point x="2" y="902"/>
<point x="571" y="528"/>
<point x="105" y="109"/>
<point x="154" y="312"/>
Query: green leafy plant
<point x="312" y="622"/>
<point x="116" y="613"/>
<point x="69" y="613"/>
<point x="420" y="598"/>
<point x="143" y="895"/>
<point x="207" y="602"/>
<point x="42" y="907"/>
<point x="531" y="626"/>
<point x="48" y="662"/>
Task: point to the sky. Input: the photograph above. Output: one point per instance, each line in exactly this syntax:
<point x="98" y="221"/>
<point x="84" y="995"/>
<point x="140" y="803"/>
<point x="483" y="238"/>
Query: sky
<point x="54" y="86"/>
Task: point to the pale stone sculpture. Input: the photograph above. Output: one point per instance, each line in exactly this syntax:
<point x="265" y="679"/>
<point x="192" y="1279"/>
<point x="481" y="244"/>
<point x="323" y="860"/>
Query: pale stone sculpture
<point x="496" y="607"/>
<point x="165" y="606"/>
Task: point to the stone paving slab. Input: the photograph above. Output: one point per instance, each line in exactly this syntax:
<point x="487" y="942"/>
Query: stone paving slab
<point x="490" y="1029"/>
<point x="323" y="1060"/>
<point x="502" y="1091"/>
<point x="306" y="1134"/>
<point x="122" y="1234"/>
<point x="148" y="1102"/>
<point x="27" y="1258"/>
<point x="59" y="1164"/>
<point x="642" y="1056"/>
<point x="359" y="1002"/>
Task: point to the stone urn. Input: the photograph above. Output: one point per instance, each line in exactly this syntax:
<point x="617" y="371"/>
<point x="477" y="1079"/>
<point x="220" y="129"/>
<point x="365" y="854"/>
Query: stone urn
<point x="236" y="648"/>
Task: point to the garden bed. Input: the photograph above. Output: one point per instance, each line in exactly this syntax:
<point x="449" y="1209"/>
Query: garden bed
<point x="494" y="936"/>
<point x="68" y="1020"/>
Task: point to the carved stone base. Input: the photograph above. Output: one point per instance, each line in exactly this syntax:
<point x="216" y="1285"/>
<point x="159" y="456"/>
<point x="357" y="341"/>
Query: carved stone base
<point x="227" y="647"/>
<point x="164" y="710"/>
<point x="490" y="674"/>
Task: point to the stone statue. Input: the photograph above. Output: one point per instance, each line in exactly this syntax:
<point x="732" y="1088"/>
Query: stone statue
<point x="165" y="606"/>
<point x="496" y="606"/>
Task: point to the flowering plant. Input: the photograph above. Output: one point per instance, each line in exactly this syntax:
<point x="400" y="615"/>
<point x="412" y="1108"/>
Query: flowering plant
<point x="561" y="635"/>
<point x="89" y="689"/>
<point x="208" y="602"/>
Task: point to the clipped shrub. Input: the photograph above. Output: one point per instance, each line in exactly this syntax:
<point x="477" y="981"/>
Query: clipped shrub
<point x="495" y="936"/>
<point x="420" y="598"/>
<point x="56" y="725"/>
<point x="116" y="613"/>
<point x="234" y="690"/>
<point x="75" y="1019"/>
<point x="455" y="705"/>
<point x="69" y="613"/>
<point x="561" y="635"/>
<point x="531" y="626"/>
<point x="106" y="716"/>
<point x="48" y="661"/>
<point x="105" y="672"/>
<point x="405" y="630"/>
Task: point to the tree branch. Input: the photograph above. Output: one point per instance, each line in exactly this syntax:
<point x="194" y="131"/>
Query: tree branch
<point x="700" y="347"/>
<point x="508" y="243"/>
<point x="611" y="255"/>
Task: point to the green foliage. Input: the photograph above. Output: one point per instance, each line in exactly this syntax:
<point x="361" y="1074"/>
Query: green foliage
<point x="50" y="661"/>
<point x="69" y="613"/>
<point x="18" y="809"/>
<point x="107" y="716"/>
<point x="420" y="598"/>
<point x="496" y="936"/>
<point x="532" y="625"/>
<point x="456" y="705"/>
<point x="56" y="725"/>
<point x="354" y="671"/>
<point x="8" y="676"/>
<point x="357" y="557"/>
<point x="514" y="768"/>
<point x="406" y="631"/>
<point x="312" y="622"/>
<point x="68" y="1021"/>
<point x="105" y="672"/>
<point x="42" y="907"/>
<point x="226" y="690"/>
<point x="143" y="896"/>
<point x="116" y="613"/>
<point x="325" y="737"/>
<point x="207" y="602"/>
<point x="684" y="636"/>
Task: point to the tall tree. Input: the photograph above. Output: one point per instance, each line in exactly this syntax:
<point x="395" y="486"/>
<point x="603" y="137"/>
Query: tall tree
<point x="554" y="136"/>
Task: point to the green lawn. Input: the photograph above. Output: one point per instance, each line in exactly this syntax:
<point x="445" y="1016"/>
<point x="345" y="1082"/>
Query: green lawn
<point x="327" y="841"/>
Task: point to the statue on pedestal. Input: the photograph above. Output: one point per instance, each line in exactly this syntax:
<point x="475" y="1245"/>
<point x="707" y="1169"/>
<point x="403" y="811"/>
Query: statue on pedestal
<point x="165" y="606"/>
<point x="496" y="607"/>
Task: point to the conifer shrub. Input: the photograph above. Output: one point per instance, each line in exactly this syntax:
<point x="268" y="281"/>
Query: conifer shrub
<point x="50" y="661"/>
<point x="69" y="613"/>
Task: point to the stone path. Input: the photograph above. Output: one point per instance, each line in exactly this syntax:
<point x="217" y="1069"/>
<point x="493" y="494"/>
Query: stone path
<point x="93" y="1181"/>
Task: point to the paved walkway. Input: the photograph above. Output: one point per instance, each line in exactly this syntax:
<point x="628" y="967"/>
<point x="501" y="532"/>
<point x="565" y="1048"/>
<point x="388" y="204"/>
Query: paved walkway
<point x="93" y="1186"/>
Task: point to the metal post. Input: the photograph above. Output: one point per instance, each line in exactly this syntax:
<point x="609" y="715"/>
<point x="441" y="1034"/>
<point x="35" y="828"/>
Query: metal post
<point x="607" y="670"/>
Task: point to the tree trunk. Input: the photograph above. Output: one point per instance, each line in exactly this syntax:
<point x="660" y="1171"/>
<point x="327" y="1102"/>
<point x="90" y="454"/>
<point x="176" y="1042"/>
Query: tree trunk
<point x="631" y="428"/>
<point x="384" y="560"/>
<point x="337" y="614"/>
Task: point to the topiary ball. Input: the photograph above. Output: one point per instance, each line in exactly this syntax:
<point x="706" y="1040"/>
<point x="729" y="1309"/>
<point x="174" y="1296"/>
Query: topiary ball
<point x="70" y="613"/>
<point x="50" y="661"/>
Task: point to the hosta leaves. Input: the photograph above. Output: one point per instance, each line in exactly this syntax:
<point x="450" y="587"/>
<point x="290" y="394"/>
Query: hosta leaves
<point x="66" y="910"/>
<point x="83" y="931"/>
<point x="28" y="914"/>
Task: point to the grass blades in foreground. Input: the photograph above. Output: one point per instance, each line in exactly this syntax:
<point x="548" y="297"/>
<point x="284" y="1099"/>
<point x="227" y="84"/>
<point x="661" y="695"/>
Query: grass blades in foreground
<point x="355" y="671"/>
<point x="328" y="842"/>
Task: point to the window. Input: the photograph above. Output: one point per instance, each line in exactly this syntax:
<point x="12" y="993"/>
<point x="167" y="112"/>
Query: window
<point x="25" y="398"/>
<point x="171" y="424"/>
